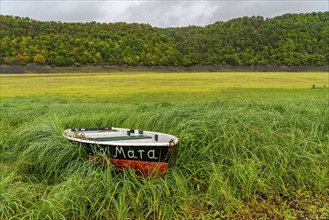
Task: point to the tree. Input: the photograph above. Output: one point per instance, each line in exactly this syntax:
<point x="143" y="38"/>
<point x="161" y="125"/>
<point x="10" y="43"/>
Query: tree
<point x="39" y="58"/>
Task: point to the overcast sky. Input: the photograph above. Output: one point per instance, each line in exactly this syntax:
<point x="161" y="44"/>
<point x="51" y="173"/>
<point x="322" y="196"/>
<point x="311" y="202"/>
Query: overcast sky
<point x="161" y="13"/>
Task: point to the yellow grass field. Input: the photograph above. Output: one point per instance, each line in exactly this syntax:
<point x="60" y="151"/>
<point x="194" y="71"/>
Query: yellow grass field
<point x="128" y="84"/>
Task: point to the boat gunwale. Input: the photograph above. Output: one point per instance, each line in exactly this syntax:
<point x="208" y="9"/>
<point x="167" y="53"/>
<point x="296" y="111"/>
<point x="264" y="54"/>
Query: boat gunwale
<point x="174" y="139"/>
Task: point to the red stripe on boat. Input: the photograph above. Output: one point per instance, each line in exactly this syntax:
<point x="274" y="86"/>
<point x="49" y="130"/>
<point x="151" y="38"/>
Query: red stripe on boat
<point x="142" y="167"/>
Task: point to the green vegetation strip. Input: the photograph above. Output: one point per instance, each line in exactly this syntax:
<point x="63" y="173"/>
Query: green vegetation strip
<point x="120" y="138"/>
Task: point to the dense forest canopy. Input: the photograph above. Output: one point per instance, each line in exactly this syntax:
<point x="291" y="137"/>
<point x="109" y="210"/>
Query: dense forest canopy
<point x="290" y="39"/>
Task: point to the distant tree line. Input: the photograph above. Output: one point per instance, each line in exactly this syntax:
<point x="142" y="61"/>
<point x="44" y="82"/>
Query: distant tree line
<point x="290" y="39"/>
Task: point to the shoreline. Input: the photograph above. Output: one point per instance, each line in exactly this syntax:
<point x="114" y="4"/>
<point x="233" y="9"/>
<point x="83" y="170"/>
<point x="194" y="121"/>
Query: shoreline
<point x="35" y="68"/>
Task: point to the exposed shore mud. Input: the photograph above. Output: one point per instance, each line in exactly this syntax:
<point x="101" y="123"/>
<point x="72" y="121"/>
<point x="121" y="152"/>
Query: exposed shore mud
<point x="34" y="68"/>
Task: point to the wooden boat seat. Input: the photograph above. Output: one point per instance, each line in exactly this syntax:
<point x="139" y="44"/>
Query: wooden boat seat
<point x="121" y="138"/>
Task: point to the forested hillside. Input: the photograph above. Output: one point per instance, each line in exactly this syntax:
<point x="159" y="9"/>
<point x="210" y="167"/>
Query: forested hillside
<point x="290" y="39"/>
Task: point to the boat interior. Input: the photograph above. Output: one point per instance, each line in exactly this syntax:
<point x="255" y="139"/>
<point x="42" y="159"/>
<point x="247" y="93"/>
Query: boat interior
<point x="122" y="135"/>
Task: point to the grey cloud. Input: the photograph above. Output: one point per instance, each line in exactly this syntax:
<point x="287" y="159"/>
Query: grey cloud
<point x="157" y="13"/>
<point x="269" y="8"/>
<point x="66" y="11"/>
<point x="170" y="13"/>
<point x="184" y="13"/>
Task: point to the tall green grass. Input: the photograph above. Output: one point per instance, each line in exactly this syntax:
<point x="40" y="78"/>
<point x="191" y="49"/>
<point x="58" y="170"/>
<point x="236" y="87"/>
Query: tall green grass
<point x="266" y="158"/>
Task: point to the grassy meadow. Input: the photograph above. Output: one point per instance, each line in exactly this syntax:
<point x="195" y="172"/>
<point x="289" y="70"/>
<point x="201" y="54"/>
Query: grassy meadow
<point x="252" y="145"/>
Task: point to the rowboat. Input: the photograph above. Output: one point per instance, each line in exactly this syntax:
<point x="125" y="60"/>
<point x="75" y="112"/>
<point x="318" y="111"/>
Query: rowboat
<point x="146" y="152"/>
